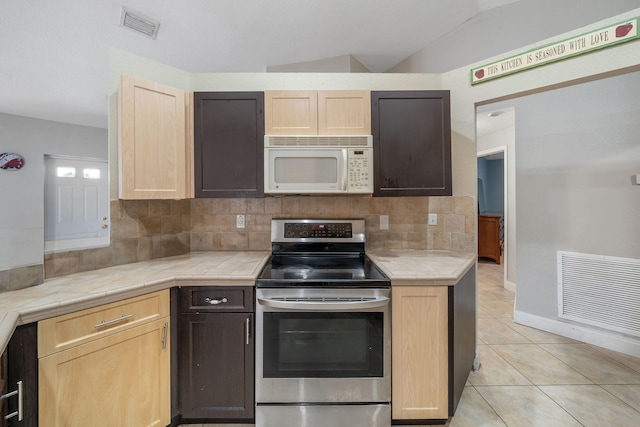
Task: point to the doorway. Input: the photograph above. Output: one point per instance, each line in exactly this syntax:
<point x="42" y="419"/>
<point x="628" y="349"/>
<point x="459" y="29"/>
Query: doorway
<point x="495" y="134"/>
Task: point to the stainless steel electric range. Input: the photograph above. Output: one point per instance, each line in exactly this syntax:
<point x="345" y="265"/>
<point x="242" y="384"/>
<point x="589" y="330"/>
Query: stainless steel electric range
<point x="323" y="335"/>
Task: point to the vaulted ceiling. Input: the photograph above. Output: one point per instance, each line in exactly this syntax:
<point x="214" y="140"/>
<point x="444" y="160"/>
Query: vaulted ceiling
<point x="54" y="54"/>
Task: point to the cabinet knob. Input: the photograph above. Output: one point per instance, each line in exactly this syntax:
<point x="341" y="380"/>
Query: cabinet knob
<point x="104" y="226"/>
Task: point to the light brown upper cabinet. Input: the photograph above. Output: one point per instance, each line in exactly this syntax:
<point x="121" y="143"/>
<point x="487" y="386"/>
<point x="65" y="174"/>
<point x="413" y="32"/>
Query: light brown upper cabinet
<point x="330" y="112"/>
<point x="155" y="147"/>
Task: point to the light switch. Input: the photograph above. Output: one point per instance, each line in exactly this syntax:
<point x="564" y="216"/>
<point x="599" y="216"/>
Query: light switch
<point x="384" y="222"/>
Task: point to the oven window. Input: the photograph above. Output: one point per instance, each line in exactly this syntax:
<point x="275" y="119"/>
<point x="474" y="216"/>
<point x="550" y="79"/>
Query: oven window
<point x="323" y="345"/>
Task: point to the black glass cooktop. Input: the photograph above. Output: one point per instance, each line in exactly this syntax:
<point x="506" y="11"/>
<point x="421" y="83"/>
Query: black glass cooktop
<point x="321" y="270"/>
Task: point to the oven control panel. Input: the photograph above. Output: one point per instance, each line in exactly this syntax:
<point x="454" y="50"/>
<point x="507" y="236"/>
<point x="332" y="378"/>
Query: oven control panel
<point x="317" y="230"/>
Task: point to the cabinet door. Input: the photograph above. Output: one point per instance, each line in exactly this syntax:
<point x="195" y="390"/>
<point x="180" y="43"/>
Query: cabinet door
<point x="216" y="366"/>
<point x="344" y="112"/>
<point x="412" y="143"/>
<point x="152" y="150"/>
<point x="290" y="112"/>
<point x="229" y="144"/>
<point x="419" y="352"/>
<point x="22" y="363"/>
<point x="122" y="379"/>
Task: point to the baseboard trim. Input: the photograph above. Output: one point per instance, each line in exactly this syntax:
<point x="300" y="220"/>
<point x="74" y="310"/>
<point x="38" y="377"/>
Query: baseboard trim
<point x="587" y="334"/>
<point x="510" y="286"/>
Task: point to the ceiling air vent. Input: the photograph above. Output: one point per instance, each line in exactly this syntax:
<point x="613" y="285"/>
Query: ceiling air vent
<point x="138" y="22"/>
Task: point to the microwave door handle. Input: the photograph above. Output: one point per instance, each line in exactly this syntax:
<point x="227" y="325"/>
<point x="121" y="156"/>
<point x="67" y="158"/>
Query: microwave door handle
<point x="345" y="169"/>
<point x="324" y="306"/>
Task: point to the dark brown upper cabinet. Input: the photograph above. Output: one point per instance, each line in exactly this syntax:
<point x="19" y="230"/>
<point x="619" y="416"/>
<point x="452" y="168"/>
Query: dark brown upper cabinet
<point x="229" y="144"/>
<point x="411" y="142"/>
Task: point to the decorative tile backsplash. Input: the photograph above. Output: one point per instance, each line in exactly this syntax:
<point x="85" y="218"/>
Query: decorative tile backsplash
<point x="143" y="230"/>
<point x="213" y="221"/>
<point x="140" y="230"/>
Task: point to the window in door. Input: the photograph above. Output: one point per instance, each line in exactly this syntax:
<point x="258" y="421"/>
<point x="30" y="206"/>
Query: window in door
<point x="76" y="194"/>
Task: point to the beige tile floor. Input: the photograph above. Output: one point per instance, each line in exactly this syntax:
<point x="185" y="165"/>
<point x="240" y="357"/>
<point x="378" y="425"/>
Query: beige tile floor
<point x="532" y="378"/>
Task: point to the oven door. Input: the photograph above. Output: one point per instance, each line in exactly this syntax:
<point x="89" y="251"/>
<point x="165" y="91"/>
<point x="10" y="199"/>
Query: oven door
<point x="323" y="346"/>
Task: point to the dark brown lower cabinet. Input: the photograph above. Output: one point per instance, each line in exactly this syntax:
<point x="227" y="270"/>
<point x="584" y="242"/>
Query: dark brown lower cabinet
<point x="22" y="366"/>
<point x="216" y="362"/>
<point x="462" y="335"/>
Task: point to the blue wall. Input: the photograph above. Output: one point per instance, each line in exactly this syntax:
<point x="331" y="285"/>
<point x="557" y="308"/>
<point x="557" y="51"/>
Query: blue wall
<point x="490" y="185"/>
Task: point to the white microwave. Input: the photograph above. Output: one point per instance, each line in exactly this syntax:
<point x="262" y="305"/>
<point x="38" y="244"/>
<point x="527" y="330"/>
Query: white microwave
<point x="318" y="164"/>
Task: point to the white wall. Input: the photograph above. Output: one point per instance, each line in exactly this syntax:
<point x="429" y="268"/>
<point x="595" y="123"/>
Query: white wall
<point x="577" y="149"/>
<point x="509" y="27"/>
<point x="22" y="191"/>
<point x="534" y="307"/>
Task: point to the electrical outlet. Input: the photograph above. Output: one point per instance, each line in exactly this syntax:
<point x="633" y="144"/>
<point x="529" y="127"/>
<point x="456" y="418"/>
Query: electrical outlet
<point x="433" y="219"/>
<point x="384" y="222"/>
<point x="239" y="221"/>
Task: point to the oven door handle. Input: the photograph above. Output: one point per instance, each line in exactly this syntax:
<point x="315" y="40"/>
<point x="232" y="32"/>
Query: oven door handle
<point x="322" y="306"/>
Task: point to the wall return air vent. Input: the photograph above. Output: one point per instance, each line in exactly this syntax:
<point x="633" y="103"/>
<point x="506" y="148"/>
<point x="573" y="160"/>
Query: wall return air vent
<point x="598" y="290"/>
<point x="138" y="22"/>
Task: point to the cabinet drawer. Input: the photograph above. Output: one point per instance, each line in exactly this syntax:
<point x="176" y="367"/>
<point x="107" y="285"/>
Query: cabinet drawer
<point x="216" y="298"/>
<point x="70" y="330"/>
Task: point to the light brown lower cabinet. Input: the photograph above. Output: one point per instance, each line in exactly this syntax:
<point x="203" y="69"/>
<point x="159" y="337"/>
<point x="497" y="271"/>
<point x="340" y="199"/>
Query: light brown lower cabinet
<point x="420" y="352"/>
<point x="116" y="380"/>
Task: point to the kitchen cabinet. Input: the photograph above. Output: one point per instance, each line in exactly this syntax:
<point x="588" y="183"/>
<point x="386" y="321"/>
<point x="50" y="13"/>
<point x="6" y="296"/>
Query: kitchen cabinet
<point x="20" y="366"/>
<point x="216" y="366"/>
<point x="433" y="348"/>
<point x="155" y="146"/>
<point x="330" y="112"/>
<point x="412" y="143"/>
<point x="107" y="366"/>
<point x="4" y="387"/>
<point x="229" y="144"/>
<point x="489" y="236"/>
<point x="420" y="352"/>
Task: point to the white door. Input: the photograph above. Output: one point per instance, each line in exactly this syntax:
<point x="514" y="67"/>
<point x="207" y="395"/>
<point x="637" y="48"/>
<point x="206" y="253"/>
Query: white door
<point x="76" y="203"/>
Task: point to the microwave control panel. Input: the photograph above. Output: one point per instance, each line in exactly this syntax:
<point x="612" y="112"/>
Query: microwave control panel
<point x="360" y="170"/>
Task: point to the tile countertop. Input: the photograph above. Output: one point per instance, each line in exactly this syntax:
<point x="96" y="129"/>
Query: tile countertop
<point x="423" y="268"/>
<point x="79" y="291"/>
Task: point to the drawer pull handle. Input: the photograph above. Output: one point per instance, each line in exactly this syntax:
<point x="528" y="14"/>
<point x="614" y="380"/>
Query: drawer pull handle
<point x="18" y="392"/>
<point x="216" y="301"/>
<point x="165" y="329"/>
<point x="111" y="322"/>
